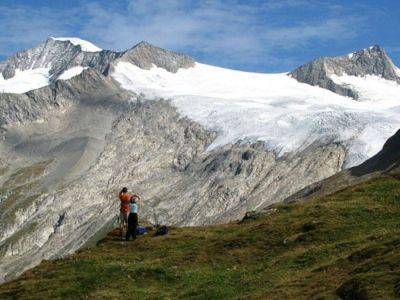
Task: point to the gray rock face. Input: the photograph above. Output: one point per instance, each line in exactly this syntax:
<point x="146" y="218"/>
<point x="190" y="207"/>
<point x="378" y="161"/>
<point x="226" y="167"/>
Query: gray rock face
<point x="145" y="56"/>
<point x="42" y="104"/>
<point x="370" y="61"/>
<point x="63" y="55"/>
<point x="58" y="56"/>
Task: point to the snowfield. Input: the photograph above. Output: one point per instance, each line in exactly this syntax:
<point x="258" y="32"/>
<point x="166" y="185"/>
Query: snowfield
<point x="85" y="45"/>
<point x="372" y="88"/>
<point x="74" y="71"/>
<point x="289" y="116"/>
<point x="24" y="81"/>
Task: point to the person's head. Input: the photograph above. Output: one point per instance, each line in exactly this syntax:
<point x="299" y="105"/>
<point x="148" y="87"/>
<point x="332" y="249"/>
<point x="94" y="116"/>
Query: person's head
<point x="124" y="190"/>
<point x="134" y="198"/>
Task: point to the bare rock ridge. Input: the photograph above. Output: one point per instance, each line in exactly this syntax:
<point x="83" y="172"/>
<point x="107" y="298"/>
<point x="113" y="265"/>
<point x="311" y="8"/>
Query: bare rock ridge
<point x="369" y="61"/>
<point x="145" y="55"/>
<point x="58" y="56"/>
<point x="63" y="55"/>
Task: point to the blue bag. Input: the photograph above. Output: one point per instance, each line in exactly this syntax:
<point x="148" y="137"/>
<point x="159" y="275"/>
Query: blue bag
<point x="141" y="230"/>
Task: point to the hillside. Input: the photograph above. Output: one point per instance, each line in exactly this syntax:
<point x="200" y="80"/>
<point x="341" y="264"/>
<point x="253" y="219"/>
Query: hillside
<point x="345" y="244"/>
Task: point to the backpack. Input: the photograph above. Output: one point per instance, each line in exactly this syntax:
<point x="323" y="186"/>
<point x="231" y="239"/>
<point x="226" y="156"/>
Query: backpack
<point x="141" y="230"/>
<point x="162" y="230"/>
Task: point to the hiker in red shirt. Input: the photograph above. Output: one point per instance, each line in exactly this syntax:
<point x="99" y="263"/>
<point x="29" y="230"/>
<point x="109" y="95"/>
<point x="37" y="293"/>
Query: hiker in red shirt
<point x="125" y="199"/>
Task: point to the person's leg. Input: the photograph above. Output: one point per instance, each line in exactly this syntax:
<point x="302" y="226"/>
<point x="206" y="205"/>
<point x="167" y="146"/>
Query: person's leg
<point x="134" y="225"/>
<point x="126" y="222"/>
<point x="129" y="232"/>
<point x="121" y="224"/>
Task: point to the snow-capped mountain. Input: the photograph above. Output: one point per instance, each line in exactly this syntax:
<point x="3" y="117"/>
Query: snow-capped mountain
<point x="326" y="72"/>
<point x="201" y="144"/>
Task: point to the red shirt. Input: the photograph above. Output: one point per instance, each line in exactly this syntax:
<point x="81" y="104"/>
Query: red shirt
<point x="125" y="198"/>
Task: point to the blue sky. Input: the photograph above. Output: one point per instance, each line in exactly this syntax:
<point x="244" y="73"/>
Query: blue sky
<point x="262" y="36"/>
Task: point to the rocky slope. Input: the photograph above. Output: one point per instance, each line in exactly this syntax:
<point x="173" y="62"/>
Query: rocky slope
<point x="386" y="161"/>
<point x="68" y="147"/>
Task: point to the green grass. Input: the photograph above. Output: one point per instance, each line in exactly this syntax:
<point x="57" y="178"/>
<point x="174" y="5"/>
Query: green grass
<point x="346" y="244"/>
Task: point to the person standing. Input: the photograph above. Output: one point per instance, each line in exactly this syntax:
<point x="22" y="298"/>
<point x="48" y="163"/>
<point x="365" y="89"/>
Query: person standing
<point x="132" y="218"/>
<point x="124" y="198"/>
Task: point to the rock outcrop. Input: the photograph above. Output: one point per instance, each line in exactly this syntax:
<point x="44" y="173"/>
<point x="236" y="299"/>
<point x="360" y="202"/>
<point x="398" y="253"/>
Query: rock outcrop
<point x="370" y="61"/>
<point x="145" y="56"/>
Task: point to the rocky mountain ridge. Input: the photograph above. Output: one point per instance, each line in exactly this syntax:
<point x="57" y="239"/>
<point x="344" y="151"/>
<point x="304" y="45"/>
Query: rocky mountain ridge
<point x="61" y="55"/>
<point x="369" y="61"/>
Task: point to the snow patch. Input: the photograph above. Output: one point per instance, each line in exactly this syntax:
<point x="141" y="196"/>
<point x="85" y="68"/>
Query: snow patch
<point x="85" y="45"/>
<point x="372" y="88"/>
<point x="397" y="70"/>
<point x="24" y="81"/>
<point x="275" y="108"/>
<point x="350" y="55"/>
<point x="72" y="72"/>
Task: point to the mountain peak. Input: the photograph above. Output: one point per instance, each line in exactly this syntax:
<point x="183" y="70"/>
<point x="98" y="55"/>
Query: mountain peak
<point x="374" y="48"/>
<point x="85" y="45"/>
<point x="369" y="61"/>
<point x="143" y="44"/>
<point x="145" y="56"/>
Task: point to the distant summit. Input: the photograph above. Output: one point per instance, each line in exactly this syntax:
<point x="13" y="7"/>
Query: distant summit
<point x="145" y="55"/>
<point x="59" y="58"/>
<point x="369" y="61"/>
<point x="85" y="45"/>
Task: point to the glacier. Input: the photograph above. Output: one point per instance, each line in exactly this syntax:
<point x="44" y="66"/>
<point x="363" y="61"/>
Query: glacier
<point x="275" y="108"/>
